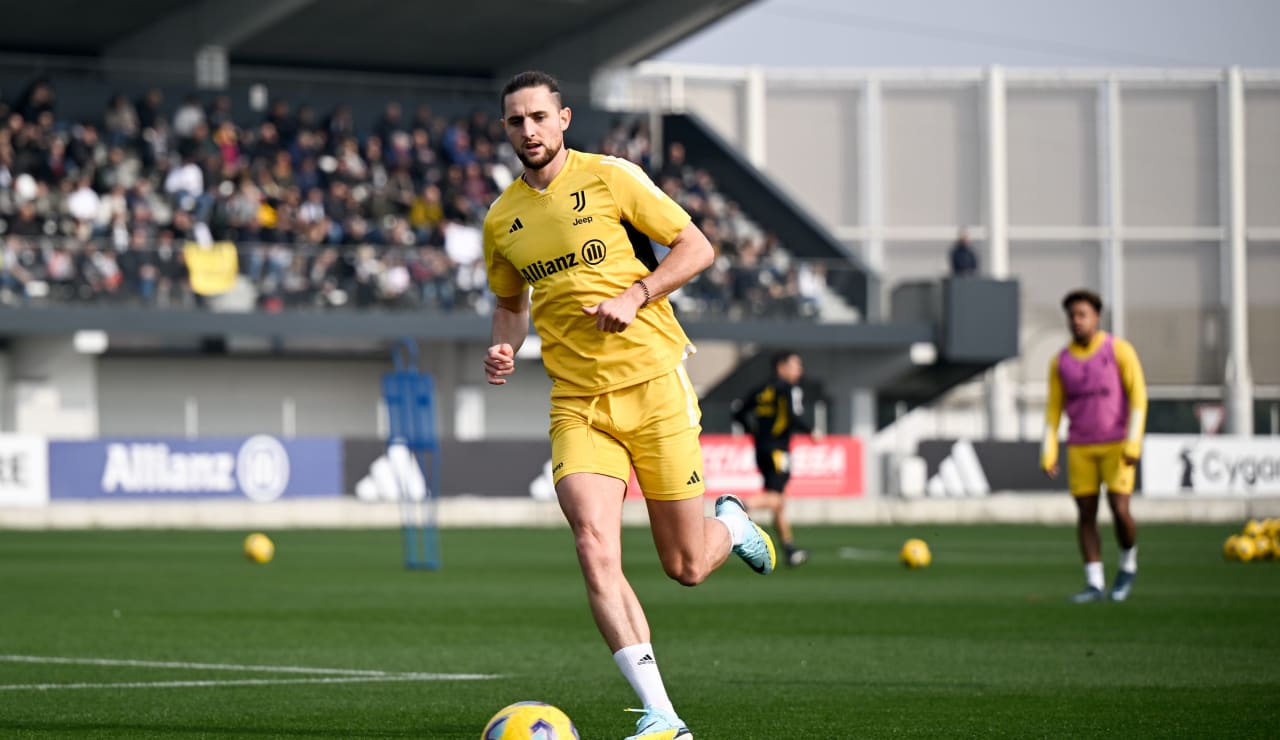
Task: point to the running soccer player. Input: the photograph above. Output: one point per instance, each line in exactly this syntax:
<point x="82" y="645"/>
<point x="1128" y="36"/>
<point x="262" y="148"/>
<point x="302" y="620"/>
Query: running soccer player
<point x="771" y="414"/>
<point x="576" y="228"/>
<point x="1098" y="381"/>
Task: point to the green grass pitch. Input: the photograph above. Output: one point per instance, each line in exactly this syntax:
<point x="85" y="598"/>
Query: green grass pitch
<point x="981" y="644"/>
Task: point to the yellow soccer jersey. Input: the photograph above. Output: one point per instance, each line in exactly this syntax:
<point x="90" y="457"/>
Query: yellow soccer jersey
<point x="584" y="240"/>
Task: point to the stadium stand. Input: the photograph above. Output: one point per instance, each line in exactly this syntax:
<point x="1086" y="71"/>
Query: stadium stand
<point x="324" y="214"/>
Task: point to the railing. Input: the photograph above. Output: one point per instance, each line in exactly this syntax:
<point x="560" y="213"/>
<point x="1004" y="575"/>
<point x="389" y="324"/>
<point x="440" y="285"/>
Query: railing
<point x="38" y="272"/>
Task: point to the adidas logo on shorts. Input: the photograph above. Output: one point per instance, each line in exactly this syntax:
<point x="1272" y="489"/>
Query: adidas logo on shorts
<point x="695" y="478"/>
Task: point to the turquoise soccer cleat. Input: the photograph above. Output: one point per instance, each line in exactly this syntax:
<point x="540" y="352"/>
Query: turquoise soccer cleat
<point x="757" y="547"/>
<point x="657" y="724"/>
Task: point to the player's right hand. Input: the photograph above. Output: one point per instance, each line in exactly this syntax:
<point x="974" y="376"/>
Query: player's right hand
<point x="1051" y="470"/>
<point x="499" y="362"/>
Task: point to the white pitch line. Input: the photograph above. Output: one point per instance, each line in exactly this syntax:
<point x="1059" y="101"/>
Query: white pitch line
<point x="857" y="553"/>
<point x="247" y="682"/>
<point x="191" y="666"/>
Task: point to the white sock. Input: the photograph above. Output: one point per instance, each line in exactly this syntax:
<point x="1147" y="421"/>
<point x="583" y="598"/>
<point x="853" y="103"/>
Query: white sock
<point x="1129" y="560"/>
<point x="1094" y="576"/>
<point x="737" y="527"/>
<point x="641" y="669"/>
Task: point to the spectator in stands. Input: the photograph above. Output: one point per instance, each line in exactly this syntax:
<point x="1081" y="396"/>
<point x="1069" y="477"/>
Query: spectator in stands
<point x="218" y="111"/>
<point x="964" y="261"/>
<point x="37" y="99"/>
<point x="148" y="108"/>
<point x="83" y="203"/>
<point x="188" y="118"/>
<point x="121" y="122"/>
<point x="390" y="123"/>
<point x="185" y="183"/>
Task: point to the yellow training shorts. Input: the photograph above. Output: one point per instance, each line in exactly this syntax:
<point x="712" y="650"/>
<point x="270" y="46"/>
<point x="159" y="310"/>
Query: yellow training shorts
<point x="652" y="426"/>
<point x="1090" y="466"/>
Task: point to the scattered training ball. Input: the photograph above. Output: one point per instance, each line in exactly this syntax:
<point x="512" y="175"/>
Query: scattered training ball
<point x="259" y="548"/>
<point x="915" y="553"/>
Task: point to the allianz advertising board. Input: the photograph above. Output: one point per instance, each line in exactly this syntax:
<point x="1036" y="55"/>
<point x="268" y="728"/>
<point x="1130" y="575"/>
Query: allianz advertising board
<point x="261" y="468"/>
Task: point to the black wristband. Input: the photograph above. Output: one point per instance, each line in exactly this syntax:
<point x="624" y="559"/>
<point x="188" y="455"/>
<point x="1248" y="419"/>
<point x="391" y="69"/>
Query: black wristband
<point x="645" y="288"/>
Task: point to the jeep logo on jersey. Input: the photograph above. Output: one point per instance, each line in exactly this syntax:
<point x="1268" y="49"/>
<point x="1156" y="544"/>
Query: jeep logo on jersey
<point x="593" y="252"/>
<point x="538" y="269"/>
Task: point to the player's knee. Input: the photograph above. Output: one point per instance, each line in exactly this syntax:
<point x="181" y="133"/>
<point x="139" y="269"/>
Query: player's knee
<point x="686" y="572"/>
<point x="597" y="554"/>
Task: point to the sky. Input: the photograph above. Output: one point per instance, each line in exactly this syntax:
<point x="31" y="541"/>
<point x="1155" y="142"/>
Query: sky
<point x="948" y="33"/>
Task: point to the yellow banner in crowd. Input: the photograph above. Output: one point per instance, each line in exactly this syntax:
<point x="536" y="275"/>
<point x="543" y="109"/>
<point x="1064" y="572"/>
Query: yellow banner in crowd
<point x="212" y="268"/>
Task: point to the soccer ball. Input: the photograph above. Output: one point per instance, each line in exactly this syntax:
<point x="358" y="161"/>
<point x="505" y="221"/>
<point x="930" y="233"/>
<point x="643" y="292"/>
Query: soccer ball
<point x="1253" y="528"/>
<point x="915" y="553"/>
<point x="1246" y="549"/>
<point x="530" y="720"/>
<point x="259" y="548"/>
<point x="1264" y="548"/>
<point x="1229" y="548"/>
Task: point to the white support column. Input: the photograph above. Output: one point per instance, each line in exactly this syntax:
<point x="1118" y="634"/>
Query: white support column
<point x="754" y="127"/>
<point x="1239" y="379"/>
<point x="675" y="92"/>
<point x="1111" y="204"/>
<point x="871" y="172"/>
<point x="863" y="426"/>
<point x="191" y="417"/>
<point x="997" y="177"/>
<point x="1002" y="416"/>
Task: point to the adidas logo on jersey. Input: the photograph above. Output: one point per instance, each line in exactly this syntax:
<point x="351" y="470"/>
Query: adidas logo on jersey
<point x="515" y="226"/>
<point x="695" y="478"/>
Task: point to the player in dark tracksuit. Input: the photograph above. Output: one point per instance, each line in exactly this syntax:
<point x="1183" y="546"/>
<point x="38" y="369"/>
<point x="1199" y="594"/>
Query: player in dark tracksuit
<point x="771" y="414"/>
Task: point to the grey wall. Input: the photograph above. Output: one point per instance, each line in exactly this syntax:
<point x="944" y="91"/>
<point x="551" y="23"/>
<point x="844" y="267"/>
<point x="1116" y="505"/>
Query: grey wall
<point x="721" y="105"/>
<point x="933" y="154"/>
<point x="823" y="177"/>
<point x="933" y="180"/>
<point x="1175" y="319"/>
<point x="1262" y="165"/>
<point x="1170" y="140"/>
<point x="1053" y="159"/>
<point x="245" y="395"/>
<point x="147" y="395"/>
<point x="1264" y="312"/>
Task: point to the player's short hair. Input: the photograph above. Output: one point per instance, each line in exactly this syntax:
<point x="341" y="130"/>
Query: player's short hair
<point x="530" y="78"/>
<point x="1081" y="294"/>
<point x="782" y="356"/>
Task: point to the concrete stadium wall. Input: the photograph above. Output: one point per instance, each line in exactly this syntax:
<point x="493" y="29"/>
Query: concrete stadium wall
<point x="809" y="129"/>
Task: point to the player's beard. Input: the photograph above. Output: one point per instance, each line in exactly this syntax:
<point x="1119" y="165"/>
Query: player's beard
<point x="548" y="154"/>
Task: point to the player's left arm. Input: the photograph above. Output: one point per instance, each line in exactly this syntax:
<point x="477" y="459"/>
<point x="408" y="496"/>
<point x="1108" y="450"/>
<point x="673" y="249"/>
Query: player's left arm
<point x="645" y="206"/>
<point x="1135" y="389"/>
<point x="691" y="253"/>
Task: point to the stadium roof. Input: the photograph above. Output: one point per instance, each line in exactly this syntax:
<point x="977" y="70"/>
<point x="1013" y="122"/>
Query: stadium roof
<point x="489" y="38"/>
